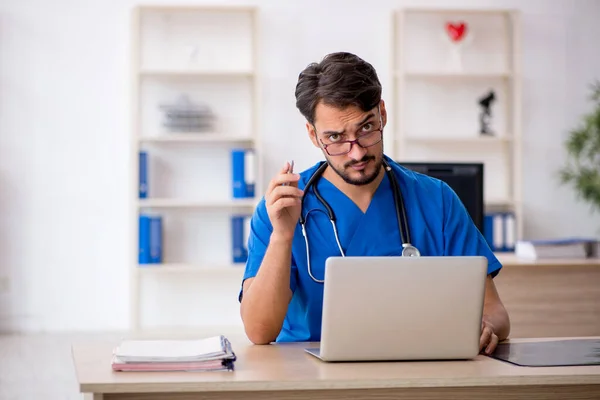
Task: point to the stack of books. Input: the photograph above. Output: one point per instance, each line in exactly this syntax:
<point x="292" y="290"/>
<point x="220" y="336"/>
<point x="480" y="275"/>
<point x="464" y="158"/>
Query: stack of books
<point x="209" y="354"/>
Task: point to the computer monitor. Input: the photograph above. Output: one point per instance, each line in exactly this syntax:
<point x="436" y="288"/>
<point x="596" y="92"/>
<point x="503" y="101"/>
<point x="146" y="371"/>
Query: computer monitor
<point x="466" y="179"/>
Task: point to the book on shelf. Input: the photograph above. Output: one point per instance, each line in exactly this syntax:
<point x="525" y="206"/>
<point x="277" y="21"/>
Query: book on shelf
<point x="243" y="173"/>
<point x="150" y="239"/>
<point x="500" y="231"/>
<point x="143" y="175"/>
<point x="240" y="231"/>
<point x="207" y="354"/>
<point x="572" y="247"/>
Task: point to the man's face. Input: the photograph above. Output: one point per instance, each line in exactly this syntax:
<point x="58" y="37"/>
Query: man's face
<point x="359" y="166"/>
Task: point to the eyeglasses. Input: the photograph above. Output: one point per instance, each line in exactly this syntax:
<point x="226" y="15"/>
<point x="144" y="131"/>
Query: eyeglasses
<point x="365" y="140"/>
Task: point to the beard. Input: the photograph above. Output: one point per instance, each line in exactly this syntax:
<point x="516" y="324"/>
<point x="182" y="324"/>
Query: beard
<point x="364" y="177"/>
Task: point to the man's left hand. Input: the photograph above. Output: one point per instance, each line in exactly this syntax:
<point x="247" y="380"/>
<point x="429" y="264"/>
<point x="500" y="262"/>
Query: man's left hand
<point x="488" y="339"/>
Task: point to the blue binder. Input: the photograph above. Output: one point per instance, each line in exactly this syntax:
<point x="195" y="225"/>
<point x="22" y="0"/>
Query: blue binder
<point x="237" y="171"/>
<point x="156" y="239"/>
<point x="150" y="239"/>
<point x="238" y="250"/>
<point x="144" y="240"/>
<point x="499" y="231"/>
<point x="242" y="173"/>
<point x="143" y="172"/>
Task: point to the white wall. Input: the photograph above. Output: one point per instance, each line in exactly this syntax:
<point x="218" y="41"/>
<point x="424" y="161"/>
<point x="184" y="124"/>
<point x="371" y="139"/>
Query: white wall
<point x="64" y="70"/>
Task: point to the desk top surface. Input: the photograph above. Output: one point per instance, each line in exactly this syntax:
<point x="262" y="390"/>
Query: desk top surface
<point x="510" y="259"/>
<point x="288" y="367"/>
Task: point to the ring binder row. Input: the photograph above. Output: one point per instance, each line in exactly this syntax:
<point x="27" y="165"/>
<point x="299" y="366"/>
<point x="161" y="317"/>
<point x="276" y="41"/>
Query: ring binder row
<point x="243" y="183"/>
<point x="151" y="238"/>
<point x="243" y="173"/>
<point x="500" y="231"/>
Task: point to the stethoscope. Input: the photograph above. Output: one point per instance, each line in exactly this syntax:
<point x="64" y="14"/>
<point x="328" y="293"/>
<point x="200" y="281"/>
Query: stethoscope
<point x="408" y="250"/>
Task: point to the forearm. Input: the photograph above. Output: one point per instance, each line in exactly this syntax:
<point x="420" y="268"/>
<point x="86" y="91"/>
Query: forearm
<point x="265" y="302"/>
<point x="497" y="316"/>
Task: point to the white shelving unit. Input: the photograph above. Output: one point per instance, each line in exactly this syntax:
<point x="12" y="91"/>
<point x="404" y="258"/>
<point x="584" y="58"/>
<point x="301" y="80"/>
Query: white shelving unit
<point x="435" y="103"/>
<point x="208" y="54"/>
<point x="208" y="204"/>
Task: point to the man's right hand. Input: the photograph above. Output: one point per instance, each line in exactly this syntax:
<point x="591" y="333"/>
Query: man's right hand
<point x="284" y="203"/>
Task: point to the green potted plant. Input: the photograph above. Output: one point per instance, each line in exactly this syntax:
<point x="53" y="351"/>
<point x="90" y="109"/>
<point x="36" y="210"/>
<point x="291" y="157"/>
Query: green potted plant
<point x="582" y="169"/>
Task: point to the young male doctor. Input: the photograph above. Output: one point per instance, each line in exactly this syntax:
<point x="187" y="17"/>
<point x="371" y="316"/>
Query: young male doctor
<point x="282" y="291"/>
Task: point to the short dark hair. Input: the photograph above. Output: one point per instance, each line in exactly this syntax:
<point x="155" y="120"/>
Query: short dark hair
<point x="340" y="79"/>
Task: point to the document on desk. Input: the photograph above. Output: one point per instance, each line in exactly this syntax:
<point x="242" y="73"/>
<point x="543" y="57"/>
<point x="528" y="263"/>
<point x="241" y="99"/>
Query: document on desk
<point x="207" y="354"/>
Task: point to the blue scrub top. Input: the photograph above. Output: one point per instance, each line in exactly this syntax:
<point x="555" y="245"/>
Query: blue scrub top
<point x="439" y="226"/>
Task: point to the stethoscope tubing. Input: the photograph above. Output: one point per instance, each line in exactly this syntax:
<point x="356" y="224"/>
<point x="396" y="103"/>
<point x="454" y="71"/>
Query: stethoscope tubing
<point x="408" y="250"/>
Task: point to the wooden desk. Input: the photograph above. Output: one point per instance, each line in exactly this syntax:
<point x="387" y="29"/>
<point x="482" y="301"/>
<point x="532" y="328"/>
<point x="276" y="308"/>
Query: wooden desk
<point x="285" y="372"/>
<point x="549" y="298"/>
<point x="510" y="259"/>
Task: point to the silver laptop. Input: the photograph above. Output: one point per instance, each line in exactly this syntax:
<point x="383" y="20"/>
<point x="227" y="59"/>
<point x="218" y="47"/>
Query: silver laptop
<point x="401" y="308"/>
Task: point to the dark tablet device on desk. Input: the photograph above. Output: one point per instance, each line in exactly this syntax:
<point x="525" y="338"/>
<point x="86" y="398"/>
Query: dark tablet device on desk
<point x="550" y="353"/>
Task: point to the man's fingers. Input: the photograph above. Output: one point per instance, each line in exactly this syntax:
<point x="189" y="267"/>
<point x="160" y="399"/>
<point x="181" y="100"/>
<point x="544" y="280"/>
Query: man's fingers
<point x="280" y="179"/>
<point x="283" y="191"/>
<point x="285" y="202"/>
<point x="492" y="345"/>
<point x="485" y="337"/>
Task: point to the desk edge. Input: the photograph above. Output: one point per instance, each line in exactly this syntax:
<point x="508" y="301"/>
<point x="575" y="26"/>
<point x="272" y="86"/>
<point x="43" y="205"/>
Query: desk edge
<point x="546" y="380"/>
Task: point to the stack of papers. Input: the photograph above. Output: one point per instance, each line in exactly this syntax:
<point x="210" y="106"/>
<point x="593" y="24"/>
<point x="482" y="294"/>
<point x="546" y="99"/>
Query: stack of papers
<point x="210" y="354"/>
<point x="577" y="248"/>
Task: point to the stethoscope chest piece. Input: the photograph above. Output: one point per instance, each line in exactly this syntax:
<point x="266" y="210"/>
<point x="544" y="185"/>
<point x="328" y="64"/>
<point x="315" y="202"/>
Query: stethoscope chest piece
<point x="410" y="251"/>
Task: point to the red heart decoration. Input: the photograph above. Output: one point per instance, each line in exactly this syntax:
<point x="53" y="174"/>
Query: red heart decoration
<point x="456" y="31"/>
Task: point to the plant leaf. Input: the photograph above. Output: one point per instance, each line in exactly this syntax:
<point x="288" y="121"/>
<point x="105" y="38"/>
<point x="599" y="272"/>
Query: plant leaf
<point x="577" y="142"/>
<point x="582" y="170"/>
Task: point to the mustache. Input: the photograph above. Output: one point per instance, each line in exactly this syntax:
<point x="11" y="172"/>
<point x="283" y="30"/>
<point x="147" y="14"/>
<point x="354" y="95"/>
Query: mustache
<point x="362" y="160"/>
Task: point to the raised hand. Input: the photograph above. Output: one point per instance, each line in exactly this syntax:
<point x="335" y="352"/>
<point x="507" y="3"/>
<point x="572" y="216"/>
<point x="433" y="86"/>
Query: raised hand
<point x="283" y="202"/>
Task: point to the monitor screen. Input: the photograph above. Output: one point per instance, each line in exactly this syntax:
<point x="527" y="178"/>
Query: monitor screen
<point x="466" y="179"/>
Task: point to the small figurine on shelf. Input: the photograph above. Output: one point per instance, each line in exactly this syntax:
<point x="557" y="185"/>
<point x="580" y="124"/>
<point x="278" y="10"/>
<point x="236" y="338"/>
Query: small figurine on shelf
<point x="486" y="114"/>
<point x="184" y="116"/>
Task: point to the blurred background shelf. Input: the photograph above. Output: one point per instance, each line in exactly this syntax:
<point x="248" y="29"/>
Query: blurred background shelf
<point x="176" y="73"/>
<point x="446" y="65"/>
<point x="204" y="138"/>
<point x="196" y="95"/>
<point x="203" y="204"/>
<point x="457" y="140"/>
<point x="167" y="268"/>
<point x="434" y="75"/>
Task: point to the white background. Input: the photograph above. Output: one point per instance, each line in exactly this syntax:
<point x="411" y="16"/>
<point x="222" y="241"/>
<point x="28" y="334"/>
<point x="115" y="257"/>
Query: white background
<point x="64" y="137"/>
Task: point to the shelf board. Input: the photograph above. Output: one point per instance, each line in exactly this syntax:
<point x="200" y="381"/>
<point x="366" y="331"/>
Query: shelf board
<point x="499" y="203"/>
<point x="443" y="75"/>
<point x="197" y="8"/>
<point x="175" y="72"/>
<point x="195" y="137"/>
<point x="207" y="204"/>
<point x="454" y="11"/>
<point x="236" y="269"/>
<point x="432" y="140"/>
